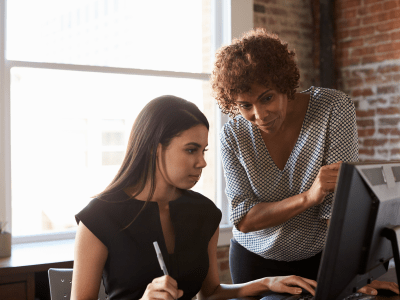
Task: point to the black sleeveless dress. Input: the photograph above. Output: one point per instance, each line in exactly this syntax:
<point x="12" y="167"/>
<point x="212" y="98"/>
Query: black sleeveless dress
<point x="132" y="261"/>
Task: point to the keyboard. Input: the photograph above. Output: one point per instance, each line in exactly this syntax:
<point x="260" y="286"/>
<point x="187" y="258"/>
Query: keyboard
<point x="308" y="296"/>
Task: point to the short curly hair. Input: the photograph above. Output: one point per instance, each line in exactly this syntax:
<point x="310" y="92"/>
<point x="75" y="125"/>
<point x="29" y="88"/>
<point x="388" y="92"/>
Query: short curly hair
<point x="257" y="57"/>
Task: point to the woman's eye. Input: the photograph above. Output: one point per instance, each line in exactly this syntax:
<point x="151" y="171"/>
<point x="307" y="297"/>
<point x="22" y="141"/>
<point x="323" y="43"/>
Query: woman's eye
<point x="191" y="151"/>
<point x="266" y="99"/>
<point x="245" y="106"/>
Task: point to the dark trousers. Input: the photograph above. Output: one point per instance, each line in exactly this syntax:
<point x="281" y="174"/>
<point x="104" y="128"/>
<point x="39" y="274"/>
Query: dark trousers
<point x="246" y="266"/>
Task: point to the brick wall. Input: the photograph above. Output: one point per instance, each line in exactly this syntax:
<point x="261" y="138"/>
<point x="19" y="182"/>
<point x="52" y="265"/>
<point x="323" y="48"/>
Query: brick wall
<point x="223" y="264"/>
<point x="293" y="22"/>
<point x="368" y="61"/>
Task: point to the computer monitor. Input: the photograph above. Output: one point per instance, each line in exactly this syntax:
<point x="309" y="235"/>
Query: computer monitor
<point x="366" y="202"/>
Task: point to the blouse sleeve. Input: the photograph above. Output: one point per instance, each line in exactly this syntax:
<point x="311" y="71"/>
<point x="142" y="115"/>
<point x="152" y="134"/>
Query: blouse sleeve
<point x="96" y="218"/>
<point x="238" y="188"/>
<point x="342" y="141"/>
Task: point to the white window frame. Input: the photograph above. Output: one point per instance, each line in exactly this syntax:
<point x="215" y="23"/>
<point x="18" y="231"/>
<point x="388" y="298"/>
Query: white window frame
<point x="230" y="18"/>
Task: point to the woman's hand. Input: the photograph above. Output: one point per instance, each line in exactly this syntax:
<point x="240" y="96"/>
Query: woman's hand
<point x="290" y="284"/>
<point x="324" y="183"/>
<point x="371" y="289"/>
<point x="164" y="287"/>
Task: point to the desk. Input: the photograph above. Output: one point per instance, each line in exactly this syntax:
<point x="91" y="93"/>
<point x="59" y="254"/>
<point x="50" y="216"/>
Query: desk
<point x="389" y="276"/>
<point x="24" y="273"/>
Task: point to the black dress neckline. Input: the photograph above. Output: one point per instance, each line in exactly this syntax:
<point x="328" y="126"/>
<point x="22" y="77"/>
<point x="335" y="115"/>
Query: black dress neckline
<point x="127" y="197"/>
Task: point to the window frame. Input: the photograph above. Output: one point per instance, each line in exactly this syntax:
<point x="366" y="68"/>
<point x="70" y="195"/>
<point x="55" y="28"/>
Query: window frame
<point x="229" y="18"/>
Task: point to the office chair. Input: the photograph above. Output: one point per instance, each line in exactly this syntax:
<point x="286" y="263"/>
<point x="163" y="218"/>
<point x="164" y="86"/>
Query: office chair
<point x="60" y="285"/>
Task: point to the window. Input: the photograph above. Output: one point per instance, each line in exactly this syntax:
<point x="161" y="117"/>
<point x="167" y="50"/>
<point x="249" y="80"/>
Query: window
<point x="73" y="78"/>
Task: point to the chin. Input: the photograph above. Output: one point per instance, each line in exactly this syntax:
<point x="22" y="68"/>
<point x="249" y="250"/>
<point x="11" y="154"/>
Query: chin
<point x="185" y="186"/>
<point x="191" y="186"/>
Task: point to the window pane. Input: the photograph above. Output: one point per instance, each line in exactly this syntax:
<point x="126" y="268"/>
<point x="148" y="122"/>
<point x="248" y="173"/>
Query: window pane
<point x="112" y="158"/>
<point x="69" y="132"/>
<point x="169" y="35"/>
<point x="113" y="138"/>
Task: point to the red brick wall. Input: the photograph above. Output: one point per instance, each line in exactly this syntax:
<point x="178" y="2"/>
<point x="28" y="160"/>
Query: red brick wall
<point x="368" y="61"/>
<point x="293" y="22"/>
<point x="223" y="264"/>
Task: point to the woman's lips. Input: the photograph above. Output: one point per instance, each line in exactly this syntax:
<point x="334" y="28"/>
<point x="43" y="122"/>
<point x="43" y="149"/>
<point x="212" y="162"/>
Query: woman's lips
<point x="269" y="124"/>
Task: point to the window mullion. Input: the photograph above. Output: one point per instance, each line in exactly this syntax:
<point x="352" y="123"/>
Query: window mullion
<point x="5" y="148"/>
<point x="112" y="70"/>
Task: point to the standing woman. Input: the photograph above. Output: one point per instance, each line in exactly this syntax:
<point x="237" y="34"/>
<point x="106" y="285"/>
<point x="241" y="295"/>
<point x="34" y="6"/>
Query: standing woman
<point x="281" y="154"/>
<point x="149" y="200"/>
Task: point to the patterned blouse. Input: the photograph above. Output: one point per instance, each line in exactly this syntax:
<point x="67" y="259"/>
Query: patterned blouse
<point x="328" y="135"/>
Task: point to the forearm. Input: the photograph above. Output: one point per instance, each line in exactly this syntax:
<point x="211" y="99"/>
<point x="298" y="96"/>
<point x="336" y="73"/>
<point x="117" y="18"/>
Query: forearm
<point x="269" y="214"/>
<point x="230" y="291"/>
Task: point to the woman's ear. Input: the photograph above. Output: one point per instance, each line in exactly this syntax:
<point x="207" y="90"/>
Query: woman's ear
<point x="159" y="150"/>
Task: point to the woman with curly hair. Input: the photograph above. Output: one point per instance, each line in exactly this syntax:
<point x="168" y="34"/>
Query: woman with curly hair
<point x="281" y="153"/>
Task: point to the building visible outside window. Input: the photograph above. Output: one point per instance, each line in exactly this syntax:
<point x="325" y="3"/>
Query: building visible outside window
<point x="81" y="72"/>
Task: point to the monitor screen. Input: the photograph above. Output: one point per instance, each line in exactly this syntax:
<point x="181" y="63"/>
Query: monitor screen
<point x="366" y="200"/>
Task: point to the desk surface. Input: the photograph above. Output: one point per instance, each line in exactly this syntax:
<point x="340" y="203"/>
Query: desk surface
<point x="36" y="257"/>
<point x="389" y="276"/>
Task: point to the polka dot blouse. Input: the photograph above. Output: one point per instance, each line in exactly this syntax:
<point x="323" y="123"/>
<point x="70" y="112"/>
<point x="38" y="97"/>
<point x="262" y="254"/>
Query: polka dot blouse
<point x="328" y="135"/>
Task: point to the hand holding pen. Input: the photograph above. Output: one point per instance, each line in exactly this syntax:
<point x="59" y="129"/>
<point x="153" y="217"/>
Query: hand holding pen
<point x="164" y="287"/>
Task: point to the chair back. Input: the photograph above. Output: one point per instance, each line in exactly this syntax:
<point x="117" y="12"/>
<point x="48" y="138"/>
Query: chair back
<point x="60" y="285"/>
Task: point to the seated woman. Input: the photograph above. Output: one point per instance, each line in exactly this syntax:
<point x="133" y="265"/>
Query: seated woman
<point x="149" y="200"/>
<point x="281" y="154"/>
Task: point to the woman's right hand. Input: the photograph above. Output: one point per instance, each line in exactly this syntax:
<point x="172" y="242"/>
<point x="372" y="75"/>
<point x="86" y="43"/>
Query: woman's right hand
<point x="290" y="284"/>
<point x="164" y="287"/>
<point x="324" y="183"/>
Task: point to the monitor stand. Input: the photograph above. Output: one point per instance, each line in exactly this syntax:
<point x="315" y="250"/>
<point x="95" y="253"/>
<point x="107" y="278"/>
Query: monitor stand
<point x="393" y="235"/>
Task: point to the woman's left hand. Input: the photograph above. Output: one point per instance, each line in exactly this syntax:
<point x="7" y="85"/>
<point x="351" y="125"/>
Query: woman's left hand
<point x="374" y="286"/>
<point x="291" y="284"/>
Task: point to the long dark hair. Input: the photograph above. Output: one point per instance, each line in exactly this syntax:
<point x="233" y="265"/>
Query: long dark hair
<point x="162" y="119"/>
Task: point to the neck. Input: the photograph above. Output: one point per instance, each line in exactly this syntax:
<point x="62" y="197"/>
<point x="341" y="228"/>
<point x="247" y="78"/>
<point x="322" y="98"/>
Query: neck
<point x="162" y="194"/>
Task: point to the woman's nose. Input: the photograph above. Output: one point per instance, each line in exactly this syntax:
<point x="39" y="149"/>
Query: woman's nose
<point x="201" y="162"/>
<point x="259" y="112"/>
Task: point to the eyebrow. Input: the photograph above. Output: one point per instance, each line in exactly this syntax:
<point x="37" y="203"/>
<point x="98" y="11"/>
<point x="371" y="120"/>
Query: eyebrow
<point x="194" y="144"/>
<point x="262" y="94"/>
<point x="258" y="98"/>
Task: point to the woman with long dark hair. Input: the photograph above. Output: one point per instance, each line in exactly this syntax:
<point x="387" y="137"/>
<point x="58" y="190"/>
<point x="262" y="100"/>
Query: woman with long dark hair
<point x="149" y="200"/>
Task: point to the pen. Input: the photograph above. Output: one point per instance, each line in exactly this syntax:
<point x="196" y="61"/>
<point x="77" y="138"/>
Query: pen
<point x="160" y="258"/>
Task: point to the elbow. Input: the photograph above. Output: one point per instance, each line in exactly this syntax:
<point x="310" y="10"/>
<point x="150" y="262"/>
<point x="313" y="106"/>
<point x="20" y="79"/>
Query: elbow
<point x="242" y="226"/>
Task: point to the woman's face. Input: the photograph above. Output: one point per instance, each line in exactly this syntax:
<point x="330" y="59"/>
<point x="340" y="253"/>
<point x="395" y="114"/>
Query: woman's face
<point x="263" y="106"/>
<point x="180" y="164"/>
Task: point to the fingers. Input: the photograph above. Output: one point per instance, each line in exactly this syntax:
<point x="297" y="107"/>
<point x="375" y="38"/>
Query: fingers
<point x="368" y="290"/>
<point x="311" y="282"/>
<point x="385" y="285"/>
<point x="291" y="284"/>
<point x="306" y="284"/>
<point x="292" y="290"/>
<point x="394" y="287"/>
<point x="160" y="295"/>
<point x="324" y="183"/>
<point x="372" y="288"/>
<point x="164" y="287"/>
<point x="334" y="166"/>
